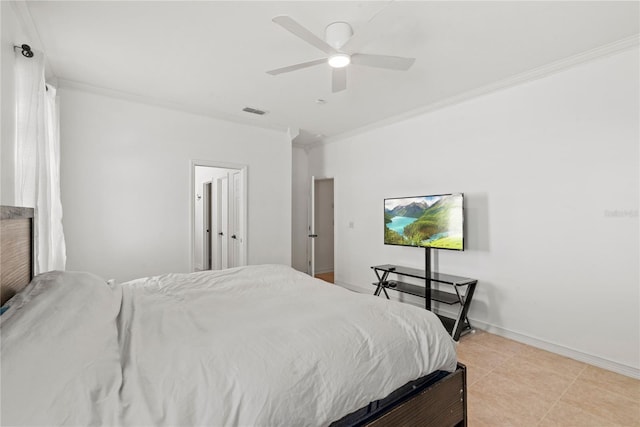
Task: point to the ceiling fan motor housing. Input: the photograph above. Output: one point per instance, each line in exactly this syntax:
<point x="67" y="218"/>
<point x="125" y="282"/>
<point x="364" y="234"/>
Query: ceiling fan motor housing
<point x="337" y="33"/>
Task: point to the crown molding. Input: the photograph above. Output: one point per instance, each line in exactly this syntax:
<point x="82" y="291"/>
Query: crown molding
<point x="21" y="9"/>
<point x="619" y="46"/>
<point x="25" y="20"/>
<point x="157" y="102"/>
<point x="306" y="147"/>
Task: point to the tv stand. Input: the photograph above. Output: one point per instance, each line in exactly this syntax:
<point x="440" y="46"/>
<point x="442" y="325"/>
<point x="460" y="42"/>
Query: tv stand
<point x="464" y="288"/>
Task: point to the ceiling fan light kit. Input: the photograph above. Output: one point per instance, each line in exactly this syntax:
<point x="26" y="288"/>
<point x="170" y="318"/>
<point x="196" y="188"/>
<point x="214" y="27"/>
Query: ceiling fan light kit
<point x="339" y="60"/>
<point x="336" y="46"/>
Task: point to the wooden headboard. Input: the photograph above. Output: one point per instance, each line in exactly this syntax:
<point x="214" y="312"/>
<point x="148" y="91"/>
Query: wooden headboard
<point x="16" y="250"/>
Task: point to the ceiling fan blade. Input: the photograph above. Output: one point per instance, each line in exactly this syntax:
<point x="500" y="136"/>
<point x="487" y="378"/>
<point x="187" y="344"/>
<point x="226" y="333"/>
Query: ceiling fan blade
<point x="296" y="29"/>
<point x="338" y="79"/>
<point x="382" y="61"/>
<point x="297" y="66"/>
<point x="370" y="30"/>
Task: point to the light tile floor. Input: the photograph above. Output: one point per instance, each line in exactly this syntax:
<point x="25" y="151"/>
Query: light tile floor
<point x="512" y="384"/>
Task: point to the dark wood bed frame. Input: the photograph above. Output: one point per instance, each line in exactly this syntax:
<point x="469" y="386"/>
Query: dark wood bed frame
<point x="432" y="404"/>
<point x="16" y="250"/>
<point x="443" y="403"/>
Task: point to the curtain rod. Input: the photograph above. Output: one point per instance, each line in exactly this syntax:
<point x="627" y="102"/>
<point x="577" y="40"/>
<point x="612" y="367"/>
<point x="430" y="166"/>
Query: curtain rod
<point x="26" y="50"/>
<point x="28" y="53"/>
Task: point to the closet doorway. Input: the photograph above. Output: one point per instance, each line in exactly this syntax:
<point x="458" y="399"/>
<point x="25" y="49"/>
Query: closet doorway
<point x="218" y="215"/>
<point x="321" y="229"/>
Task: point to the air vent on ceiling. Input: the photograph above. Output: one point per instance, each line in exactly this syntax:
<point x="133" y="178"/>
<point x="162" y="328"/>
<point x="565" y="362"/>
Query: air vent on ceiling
<point x="254" y="111"/>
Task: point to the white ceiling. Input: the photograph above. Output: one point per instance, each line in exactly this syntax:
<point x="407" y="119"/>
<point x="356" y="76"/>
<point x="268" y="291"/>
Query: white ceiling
<point x="211" y="56"/>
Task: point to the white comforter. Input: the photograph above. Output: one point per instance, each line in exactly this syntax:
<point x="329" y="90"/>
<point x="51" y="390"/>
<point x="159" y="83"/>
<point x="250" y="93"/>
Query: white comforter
<point x="251" y="346"/>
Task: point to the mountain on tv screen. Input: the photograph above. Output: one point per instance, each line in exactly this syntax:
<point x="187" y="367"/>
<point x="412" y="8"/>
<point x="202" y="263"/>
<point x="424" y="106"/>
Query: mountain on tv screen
<point x="425" y="221"/>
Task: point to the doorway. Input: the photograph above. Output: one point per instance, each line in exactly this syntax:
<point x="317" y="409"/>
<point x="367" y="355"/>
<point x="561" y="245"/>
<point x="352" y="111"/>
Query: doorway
<point x="218" y="216"/>
<point x="321" y="229"/>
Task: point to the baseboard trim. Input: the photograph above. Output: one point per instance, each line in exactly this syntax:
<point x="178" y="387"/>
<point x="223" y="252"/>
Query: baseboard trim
<point x="571" y="353"/>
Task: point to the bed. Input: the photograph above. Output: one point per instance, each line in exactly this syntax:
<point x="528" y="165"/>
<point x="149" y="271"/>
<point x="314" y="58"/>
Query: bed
<point x="260" y="345"/>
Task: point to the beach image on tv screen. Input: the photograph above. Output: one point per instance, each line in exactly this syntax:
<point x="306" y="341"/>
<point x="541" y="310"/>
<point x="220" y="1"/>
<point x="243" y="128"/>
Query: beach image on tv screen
<point x="430" y="221"/>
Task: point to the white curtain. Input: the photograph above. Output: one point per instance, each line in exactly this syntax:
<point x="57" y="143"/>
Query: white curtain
<point x="38" y="160"/>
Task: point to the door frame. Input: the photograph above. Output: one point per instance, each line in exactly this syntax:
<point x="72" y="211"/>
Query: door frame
<point x="311" y="223"/>
<point x="243" y="214"/>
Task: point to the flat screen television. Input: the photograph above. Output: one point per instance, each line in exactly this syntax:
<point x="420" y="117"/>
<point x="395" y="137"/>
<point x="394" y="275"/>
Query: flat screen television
<point x="426" y="221"/>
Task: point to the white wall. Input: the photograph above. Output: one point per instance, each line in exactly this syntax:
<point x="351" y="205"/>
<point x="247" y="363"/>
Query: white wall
<point x="545" y="167"/>
<point x="300" y="189"/>
<point x="125" y="172"/>
<point x="12" y="34"/>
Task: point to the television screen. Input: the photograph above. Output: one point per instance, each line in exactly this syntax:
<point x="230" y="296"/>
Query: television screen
<point x="426" y="221"/>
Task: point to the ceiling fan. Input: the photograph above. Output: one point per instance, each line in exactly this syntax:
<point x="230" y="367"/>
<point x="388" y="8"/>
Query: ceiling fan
<point x="338" y="39"/>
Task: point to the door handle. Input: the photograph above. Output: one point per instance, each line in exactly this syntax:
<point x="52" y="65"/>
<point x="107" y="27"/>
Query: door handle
<point x="221" y="234"/>
<point x="233" y="236"/>
<point x="313" y="235"/>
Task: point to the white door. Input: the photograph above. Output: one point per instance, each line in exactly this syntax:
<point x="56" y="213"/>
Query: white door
<point x="312" y="229"/>
<point x="223" y="216"/>
<point x="235" y="238"/>
<point x="216" y="224"/>
<point x="207" y="228"/>
<point x="323" y="225"/>
<point x="228" y="192"/>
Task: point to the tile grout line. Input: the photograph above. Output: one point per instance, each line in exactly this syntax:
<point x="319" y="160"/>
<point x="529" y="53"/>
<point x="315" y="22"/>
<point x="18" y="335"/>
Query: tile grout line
<point x="495" y="366"/>
<point x="512" y="354"/>
<point x="562" y="395"/>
